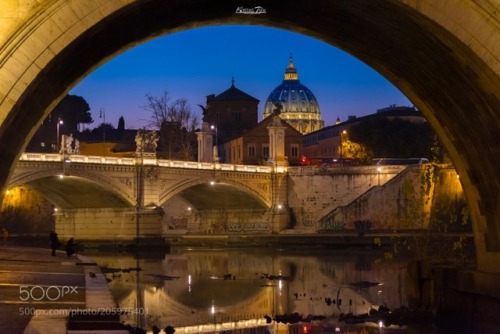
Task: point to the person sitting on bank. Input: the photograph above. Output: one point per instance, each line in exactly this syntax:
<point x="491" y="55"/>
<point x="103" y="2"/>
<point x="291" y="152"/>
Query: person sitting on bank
<point x="71" y="247"/>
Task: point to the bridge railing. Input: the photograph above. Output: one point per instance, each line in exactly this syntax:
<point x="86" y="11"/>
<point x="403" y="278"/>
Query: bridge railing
<point x="54" y="157"/>
<point x="317" y="170"/>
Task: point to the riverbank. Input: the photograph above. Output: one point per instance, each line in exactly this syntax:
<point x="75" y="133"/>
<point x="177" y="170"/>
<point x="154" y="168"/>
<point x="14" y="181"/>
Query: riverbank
<point x="292" y="240"/>
<point x="41" y="293"/>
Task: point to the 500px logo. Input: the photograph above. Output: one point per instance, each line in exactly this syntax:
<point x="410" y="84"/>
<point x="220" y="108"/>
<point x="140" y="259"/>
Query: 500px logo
<point x="53" y="292"/>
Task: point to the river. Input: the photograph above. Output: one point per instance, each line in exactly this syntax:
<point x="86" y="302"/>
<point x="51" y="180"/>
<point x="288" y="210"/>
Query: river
<point x="216" y="290"/>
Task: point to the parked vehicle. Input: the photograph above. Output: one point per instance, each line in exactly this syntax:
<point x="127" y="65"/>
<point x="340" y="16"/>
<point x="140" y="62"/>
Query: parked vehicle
<point x="398" y="161"/>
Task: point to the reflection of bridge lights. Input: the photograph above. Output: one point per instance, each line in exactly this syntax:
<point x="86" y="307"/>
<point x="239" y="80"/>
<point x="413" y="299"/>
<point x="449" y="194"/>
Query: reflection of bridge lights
<point x="280" y="285"/>
<point x="189" y="283"/>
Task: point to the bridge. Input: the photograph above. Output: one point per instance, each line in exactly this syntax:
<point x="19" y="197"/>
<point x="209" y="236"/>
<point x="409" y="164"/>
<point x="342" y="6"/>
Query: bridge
<point x="92" y="194"/>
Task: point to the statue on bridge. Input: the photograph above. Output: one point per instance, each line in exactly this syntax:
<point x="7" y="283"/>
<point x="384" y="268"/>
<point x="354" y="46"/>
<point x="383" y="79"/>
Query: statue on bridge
<point x="69" y="145"/>
<point x="146" y="141"/>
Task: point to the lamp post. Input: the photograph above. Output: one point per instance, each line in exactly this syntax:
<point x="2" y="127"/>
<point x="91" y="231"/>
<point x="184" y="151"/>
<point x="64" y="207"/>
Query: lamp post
<point x="102" y="114"/>
<point x="216" y="151"/>
<point x="344" y="132"/>
<point x="59" y="122"/>
<point x="379" y="169"/>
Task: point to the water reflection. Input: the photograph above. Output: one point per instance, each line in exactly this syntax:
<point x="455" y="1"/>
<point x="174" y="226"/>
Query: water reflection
<point x="207" y="290"/>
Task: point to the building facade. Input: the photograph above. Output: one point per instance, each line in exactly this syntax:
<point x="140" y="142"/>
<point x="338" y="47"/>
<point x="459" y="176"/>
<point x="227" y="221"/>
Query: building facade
<point x="230" y="113"/>
<point x="326" y="144"/>
<point x="252" y="148"/>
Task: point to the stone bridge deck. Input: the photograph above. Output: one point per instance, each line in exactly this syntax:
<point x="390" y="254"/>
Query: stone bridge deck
<point x="199" y="197"/>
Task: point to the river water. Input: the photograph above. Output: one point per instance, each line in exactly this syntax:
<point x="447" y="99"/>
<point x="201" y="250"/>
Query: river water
<point x="215" y="290"/>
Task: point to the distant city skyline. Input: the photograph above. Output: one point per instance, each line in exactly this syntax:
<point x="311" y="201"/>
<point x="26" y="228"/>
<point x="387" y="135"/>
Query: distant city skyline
<point x="195" y="63"/>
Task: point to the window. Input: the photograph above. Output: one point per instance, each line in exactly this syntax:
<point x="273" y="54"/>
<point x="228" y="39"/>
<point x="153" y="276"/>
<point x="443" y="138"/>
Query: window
<point x="294" y="152"/>
<point x="236" y="117"/>
<point x="251" y="150"/>
<point x="265" y="151"/>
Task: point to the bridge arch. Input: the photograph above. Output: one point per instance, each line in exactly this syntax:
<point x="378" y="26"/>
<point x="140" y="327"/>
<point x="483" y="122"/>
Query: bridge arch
<point x="81" y="189"/>
<point x="445" y="61"/>
<point x="205" y="193"/>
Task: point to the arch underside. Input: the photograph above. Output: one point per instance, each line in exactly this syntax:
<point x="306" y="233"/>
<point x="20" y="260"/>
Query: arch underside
<point x="443" y="73"/>
<point x="73" y="192"/>
<point x="219" y="196"/>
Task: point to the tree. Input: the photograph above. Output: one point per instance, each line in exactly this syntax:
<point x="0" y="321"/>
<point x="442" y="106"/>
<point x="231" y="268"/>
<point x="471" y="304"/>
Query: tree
<point x="64" y="119"/>
<point x="176" y="123"/>
<point x="74" y="111"/>
<point x="354" y="150"/>
<point x="121" y="128"/>
<point x="121" y="124"/>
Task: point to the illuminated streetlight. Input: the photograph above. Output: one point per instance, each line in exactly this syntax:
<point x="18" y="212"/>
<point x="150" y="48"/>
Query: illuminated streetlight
<point x="379" y="169"/>
<point x="102" y="114"/>
<point x="59" y="122"/>
<point x="343" y="133"/>
<point x="216" y="148"/>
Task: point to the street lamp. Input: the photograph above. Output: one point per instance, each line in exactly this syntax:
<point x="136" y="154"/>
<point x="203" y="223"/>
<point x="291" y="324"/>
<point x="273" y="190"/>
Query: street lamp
<point x="344" y="132"/>
<point x="59" y="122"/>
<point x="379" y="169"/>
<point x="102" y="114"/>
<point x="216" y="151"/>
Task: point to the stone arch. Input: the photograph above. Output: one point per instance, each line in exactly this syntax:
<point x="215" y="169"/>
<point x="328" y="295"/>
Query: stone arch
<point x="107" y="186"/>
<point x="445" y="61"/>
<point x="186" y="184"/>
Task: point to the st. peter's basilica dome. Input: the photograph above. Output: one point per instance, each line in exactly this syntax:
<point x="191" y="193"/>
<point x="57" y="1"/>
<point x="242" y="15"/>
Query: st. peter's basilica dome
<point x="299" y="106"/>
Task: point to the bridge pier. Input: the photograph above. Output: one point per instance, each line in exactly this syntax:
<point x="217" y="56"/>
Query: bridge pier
<point x="115" y="225"/>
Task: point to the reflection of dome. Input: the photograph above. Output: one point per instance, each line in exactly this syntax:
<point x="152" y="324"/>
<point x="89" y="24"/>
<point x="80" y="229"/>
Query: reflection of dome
<point x="300" y="108"/>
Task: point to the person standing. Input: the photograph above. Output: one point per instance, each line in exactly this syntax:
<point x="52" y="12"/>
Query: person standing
<point x="54" y="242"/>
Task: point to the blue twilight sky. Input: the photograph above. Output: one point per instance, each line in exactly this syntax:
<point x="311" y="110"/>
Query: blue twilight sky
<point x="195" y="63"/>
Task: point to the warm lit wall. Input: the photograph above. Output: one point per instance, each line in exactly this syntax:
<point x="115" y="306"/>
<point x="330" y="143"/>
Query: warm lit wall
<point x="25" y="211"/>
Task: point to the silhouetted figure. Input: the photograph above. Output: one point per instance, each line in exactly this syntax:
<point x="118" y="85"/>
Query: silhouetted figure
<point x="70" y="247"/>
<point x="54" y="242"/>
<point x="5" y="235"/>
<point x="169" y="330"/>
